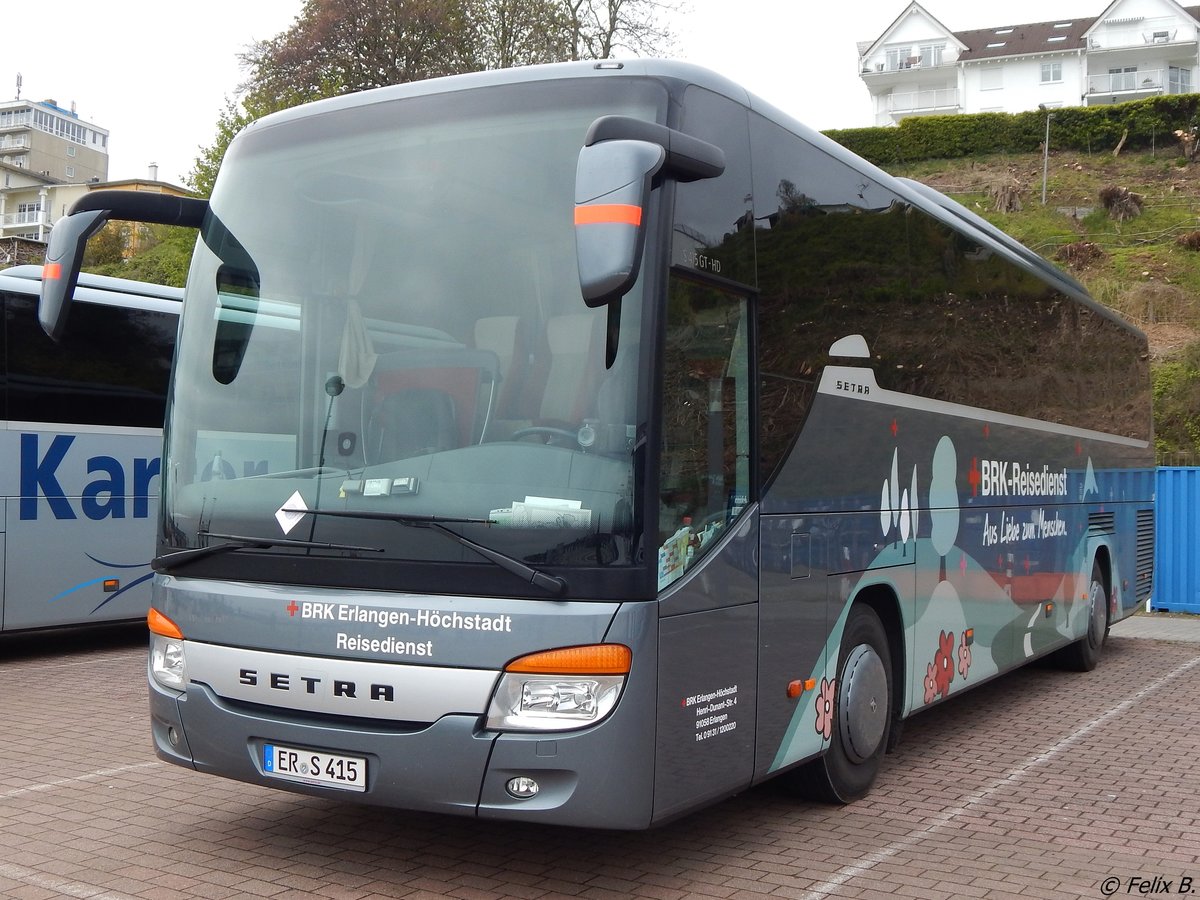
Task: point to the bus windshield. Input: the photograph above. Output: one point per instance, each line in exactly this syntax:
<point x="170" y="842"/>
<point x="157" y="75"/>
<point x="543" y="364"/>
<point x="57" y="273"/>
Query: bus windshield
<point x="384" y="318"/>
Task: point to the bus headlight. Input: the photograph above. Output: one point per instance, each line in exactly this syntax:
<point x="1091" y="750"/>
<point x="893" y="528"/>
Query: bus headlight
<point x="167" y="663"/>
<point x="559" y="690"/>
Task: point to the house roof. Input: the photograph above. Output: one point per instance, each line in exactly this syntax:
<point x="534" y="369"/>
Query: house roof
<point x="865" y="48"/>
<point x="27" y="173"/>
<point x="1015" y="40"/>
<point x="1190" y="10"/>
<point x="1018" y="40"/>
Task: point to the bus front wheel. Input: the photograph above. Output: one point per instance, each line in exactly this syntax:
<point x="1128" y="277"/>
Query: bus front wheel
<point x="862" y="714"/>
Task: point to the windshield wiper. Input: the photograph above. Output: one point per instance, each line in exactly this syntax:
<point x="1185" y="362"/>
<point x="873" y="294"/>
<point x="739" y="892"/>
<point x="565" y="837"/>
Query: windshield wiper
<point x="547" y="582"/>
<point x="179" y="558"/>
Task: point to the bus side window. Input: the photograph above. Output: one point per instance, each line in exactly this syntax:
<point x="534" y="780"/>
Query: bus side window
<point x="705" y="476"/>
<point x="111" y="367"/>
<point x="712" y="230"/>
<point x="832" y="261"/>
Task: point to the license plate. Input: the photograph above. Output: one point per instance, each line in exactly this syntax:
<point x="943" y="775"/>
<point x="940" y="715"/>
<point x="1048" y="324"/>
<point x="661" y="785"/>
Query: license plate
<point x="315" y="767"/>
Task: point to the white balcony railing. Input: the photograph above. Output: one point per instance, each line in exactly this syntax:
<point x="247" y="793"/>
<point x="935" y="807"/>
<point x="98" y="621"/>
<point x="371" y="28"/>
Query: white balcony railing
<point x="20" y="218"/>
<point x="1143" y="81"/>
<point x="20" y="142"/>
<point x="920" y="101"/>
<point x="905" y="64"/>
<point x="15" y="120"/>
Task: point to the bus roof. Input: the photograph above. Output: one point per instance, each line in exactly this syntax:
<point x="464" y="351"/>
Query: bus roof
<point x="923" y="197"/>
<point x="98" y="289"/>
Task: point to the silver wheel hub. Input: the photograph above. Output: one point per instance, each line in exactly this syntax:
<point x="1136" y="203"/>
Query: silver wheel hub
<point x="862" y="703"/>
<point x="1097" y="615"/>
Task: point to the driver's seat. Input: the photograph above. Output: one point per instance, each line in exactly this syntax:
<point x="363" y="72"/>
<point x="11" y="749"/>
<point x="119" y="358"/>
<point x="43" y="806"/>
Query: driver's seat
<point x="573" y="361"/>
<point x="411" y="422"/>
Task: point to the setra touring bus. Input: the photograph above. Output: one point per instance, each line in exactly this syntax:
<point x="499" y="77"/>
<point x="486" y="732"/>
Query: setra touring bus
<point x="81" y="439"/>
<point x="582" y="444"/>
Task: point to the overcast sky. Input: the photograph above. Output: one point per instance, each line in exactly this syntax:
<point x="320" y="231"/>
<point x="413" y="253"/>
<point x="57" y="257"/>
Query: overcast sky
<point x="156" y="73"/>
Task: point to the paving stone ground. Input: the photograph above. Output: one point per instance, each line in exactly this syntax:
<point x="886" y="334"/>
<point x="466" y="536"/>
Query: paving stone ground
<point x="1041" y="784"/>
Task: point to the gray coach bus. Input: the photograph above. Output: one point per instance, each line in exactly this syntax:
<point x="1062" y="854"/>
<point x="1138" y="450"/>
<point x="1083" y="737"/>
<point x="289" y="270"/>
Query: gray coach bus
<point x="583" y="444"/>
<point x="82" y="440"/>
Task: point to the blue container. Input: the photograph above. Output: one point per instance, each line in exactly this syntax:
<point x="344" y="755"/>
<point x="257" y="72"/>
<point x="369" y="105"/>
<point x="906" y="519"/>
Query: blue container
<point x="1177" y="540"/>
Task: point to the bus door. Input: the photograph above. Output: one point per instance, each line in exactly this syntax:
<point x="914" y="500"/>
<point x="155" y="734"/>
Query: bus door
<point x="707" y="534"/>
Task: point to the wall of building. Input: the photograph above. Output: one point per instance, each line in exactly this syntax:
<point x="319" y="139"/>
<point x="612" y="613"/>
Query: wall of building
<point x="65" y="160"/>
<point x="1021" y="87"/>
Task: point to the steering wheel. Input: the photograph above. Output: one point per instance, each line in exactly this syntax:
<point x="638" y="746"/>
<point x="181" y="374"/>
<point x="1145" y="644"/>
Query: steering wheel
<point x="546" y="431"/>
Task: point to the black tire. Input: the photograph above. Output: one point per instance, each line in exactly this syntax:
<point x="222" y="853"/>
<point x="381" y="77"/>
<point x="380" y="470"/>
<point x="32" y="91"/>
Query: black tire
<point x="1084" y="654"/>
<point x="862" y="715"/>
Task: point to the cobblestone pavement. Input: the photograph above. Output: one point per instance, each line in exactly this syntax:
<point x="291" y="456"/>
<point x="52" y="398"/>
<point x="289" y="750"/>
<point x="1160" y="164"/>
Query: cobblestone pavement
<point x="1040" y="784"/>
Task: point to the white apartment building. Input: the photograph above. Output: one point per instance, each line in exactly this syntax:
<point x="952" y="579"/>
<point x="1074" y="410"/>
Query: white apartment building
<point x="48" y="156"/>
<point x="1134" y="49"/>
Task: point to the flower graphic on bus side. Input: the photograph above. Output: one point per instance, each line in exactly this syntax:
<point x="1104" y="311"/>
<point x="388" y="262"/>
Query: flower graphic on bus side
<point x="943" y="663"/>
<point x="825" y="708"/>
<point x="964" y="656"/>
<point x="930" y="684"/>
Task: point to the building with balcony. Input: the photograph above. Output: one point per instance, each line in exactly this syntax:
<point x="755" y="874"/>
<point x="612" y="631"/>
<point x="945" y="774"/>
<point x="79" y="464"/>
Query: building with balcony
<point x="30" y="203"/>
<point x="48" y="157"/>
<point x="42" y="137"/>
<point x="1132" y="50"/>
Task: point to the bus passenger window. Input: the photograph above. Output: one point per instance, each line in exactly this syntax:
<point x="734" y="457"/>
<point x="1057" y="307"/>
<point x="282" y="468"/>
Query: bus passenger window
<point x="704" y="481"/>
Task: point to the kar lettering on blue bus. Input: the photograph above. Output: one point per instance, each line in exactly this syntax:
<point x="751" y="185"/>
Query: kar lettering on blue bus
<point x="102" y="498"/>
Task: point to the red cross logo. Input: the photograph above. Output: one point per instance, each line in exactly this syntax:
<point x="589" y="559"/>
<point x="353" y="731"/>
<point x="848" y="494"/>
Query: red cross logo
<point x="292" y="608"/>
<point x="895" y="427"/>
<point x="973" y="477"/>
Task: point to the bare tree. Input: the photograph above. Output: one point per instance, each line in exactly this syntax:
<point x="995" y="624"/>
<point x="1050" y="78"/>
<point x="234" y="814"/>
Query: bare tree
<point x="340" y="46"/>
<point x="510" y="33"/>
<point x="602" y="28"/>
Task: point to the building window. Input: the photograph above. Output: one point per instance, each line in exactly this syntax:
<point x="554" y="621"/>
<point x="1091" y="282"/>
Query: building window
<point x="931" y="54"/>
<point x="1122" y="79"/>
<point x="1051" y="72"/>
<point x="71" y="151"/>
<point x="991" y="79"/>
<point x="1180" y="80"/>
<point x="70" y="171"/>
<point x="28" y="213"/>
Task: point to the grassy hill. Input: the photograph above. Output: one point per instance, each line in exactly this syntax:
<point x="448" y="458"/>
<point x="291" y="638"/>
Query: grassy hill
<point x="1146" y="267"/>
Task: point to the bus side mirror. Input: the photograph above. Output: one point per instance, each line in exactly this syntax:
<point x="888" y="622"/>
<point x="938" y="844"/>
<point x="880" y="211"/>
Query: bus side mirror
<point x="619" y="161"/>
<point x="64" y="254"/>
<point x="612" y="187"/>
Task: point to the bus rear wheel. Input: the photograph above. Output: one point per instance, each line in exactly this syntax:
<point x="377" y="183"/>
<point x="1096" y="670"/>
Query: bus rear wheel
<point x="1084" y="654"/>
<point x="862" y="714"/>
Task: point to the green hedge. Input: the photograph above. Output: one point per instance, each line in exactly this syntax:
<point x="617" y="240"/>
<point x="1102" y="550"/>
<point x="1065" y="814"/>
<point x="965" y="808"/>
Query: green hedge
<point x="1084" y="128"/>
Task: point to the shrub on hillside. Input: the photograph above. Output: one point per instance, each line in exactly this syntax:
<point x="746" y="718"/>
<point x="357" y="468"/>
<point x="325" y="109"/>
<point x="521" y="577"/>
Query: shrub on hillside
<point x="1121" y="203"/>
<point x="1083" y="128"/>
<point x="1079" y="254"/>
<point x="1189" y="240"/>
